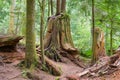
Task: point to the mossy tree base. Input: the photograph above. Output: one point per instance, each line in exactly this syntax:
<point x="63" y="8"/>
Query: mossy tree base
<point x="58" y="39"/>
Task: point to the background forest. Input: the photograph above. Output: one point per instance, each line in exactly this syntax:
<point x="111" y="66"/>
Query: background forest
<point x="107" y="17"/>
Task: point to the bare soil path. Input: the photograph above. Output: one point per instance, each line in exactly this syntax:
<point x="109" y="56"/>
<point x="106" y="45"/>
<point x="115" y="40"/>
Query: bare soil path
<point x="10" y="71"/>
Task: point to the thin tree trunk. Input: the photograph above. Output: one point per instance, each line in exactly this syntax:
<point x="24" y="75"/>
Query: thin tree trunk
<point x="12" y="16"/>
<point x="93" y="35"/>
<point x="51" y="2"/>
<point x="48" y="8"/>
<point x="106" y="37"/>
<point x="30" y="57"/>
<point x="58" y="7"/>
<point x="41" y="31"/>
<point x="111" y="40"/>
<point x="63" y="6"/>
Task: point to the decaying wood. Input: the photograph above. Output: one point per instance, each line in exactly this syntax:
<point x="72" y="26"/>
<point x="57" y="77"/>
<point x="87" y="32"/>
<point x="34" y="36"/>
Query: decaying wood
<point x="8" y="48"/>
<point x="99" y="47"/>
<point x="9" y="42"/>
<point x="104" y="65"/>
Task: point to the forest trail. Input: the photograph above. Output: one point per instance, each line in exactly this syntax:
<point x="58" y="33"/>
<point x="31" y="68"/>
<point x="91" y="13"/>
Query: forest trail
<point x="10" y="71"/>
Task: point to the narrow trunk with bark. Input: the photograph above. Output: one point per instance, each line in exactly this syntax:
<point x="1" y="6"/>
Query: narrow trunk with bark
<point x="63" y="6"/>
<point x="93" y="35"/>
<point x="11" y="29"/>
<point x="111" y="38"/>
<point x="51" y="3"/>
<point x="41" y="31"/>
<point x="58" y="7"/>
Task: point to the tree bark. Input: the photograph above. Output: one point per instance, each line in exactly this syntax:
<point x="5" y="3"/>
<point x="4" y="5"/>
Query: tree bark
<point x="41" y="31"/>
<point x="58" y="6"/>
<point x="51" y="2"/>
<point x="93" y="35"/>
<point x="111" y="38"/>
<point x="63" y="6"/>
<point x="30" y="57"/>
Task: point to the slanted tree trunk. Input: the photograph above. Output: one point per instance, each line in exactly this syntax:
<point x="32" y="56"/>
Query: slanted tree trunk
<point x="30" y="57"/>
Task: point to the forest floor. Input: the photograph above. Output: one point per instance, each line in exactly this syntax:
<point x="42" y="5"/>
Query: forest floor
<point x="11" y="71"/>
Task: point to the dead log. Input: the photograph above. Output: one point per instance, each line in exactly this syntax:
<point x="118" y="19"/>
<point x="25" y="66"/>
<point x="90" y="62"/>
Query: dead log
<point x="8" y="43"/>
<point x="104" y="65"/>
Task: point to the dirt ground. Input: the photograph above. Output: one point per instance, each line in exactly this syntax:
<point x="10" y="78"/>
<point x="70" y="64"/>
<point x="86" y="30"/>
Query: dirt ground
<point x="10" y="71"/>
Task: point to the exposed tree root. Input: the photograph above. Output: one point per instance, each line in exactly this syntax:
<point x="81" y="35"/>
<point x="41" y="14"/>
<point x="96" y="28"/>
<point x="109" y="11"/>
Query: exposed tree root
<point x="51" y="67"/>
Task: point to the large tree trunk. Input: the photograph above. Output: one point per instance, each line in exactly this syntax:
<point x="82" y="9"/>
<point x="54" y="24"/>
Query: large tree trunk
<point x="58" y="40"/>
<point x="30" y="57"/>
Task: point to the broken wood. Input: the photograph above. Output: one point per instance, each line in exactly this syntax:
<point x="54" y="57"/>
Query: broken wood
<point x="99" y="45"/>
<point x="104" y="65"/>
<point x="8" y="43"/>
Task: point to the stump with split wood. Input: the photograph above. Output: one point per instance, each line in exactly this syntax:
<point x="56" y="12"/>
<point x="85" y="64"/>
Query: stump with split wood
<point x="58" y="42"/>
<point x="58" y="39"/>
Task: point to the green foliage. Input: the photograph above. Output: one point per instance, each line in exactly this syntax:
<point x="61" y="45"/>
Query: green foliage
<point x="80" y="16"/>
<point x="24" y="73"/>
